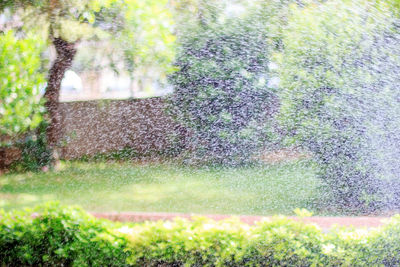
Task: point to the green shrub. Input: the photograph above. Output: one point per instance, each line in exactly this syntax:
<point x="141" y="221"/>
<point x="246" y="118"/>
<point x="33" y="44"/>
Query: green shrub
<point x="62" y="236"/>
<point x="277" y="242"/>
<point x="35" y="153"/>
<point x="199" y="243"/>
<point x="221" y="92"/>
<point x="21" y="108"/>
<point x="20" y="80"/>
<point x="59" y="236"/>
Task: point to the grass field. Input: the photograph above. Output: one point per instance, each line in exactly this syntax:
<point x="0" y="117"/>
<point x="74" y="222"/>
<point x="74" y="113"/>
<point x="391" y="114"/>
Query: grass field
<point x="261" y="190"/>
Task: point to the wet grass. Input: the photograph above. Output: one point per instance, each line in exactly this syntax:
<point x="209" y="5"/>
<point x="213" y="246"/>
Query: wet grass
<point x="261" y="190"/>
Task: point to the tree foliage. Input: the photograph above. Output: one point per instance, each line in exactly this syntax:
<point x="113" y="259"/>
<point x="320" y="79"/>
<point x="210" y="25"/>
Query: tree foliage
<point x="221" y="92"/>
<point x="338" y="98"/>
<point x="147" y="41"/>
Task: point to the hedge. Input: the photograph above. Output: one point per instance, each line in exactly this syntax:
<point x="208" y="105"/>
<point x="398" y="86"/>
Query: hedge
<point x="59" y="236"/>
<point x="65" y="236"/>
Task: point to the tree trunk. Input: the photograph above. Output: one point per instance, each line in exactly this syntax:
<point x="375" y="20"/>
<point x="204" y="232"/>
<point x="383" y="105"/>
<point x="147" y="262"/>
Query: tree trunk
<point x="65" y="54"/>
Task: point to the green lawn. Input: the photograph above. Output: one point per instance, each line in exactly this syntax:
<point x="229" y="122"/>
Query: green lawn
<point x="261" y="190"/>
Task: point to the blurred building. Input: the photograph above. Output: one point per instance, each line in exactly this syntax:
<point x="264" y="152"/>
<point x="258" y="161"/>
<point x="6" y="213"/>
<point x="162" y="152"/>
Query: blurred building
<point x="105" y="84"/>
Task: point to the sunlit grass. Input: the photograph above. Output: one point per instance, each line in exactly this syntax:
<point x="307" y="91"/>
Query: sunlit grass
<point x="261" y="190"/>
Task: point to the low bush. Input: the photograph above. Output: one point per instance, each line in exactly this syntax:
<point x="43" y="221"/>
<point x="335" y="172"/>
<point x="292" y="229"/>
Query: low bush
<point x="59" y="236"/>
<point x="63" y="236"/>
<point x="276" y="242"/>
<point x="226" y="243"/>
<point x="35" y="154"/>
<point x="21" y="77"/>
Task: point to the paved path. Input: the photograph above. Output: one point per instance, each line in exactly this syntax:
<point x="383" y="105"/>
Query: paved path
<point x="323" y="222"/>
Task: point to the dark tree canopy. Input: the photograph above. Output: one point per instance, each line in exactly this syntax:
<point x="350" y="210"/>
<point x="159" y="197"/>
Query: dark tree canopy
<point x="221" y="91"/>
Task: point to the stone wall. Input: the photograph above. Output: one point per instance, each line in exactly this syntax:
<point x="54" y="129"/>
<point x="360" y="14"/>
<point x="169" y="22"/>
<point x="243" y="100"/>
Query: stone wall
<point x="103" y="126"/>
<point x="93" y="127"/>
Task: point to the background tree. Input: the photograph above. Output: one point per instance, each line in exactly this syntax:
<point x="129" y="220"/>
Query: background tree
<point x="147" y="41"/>
<point x="221" y="92"/>
<point x="68" y="22"/>
<point x="201" y="13"/>
<point x="339" y="78"/>
<point x="144" y="46"/>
